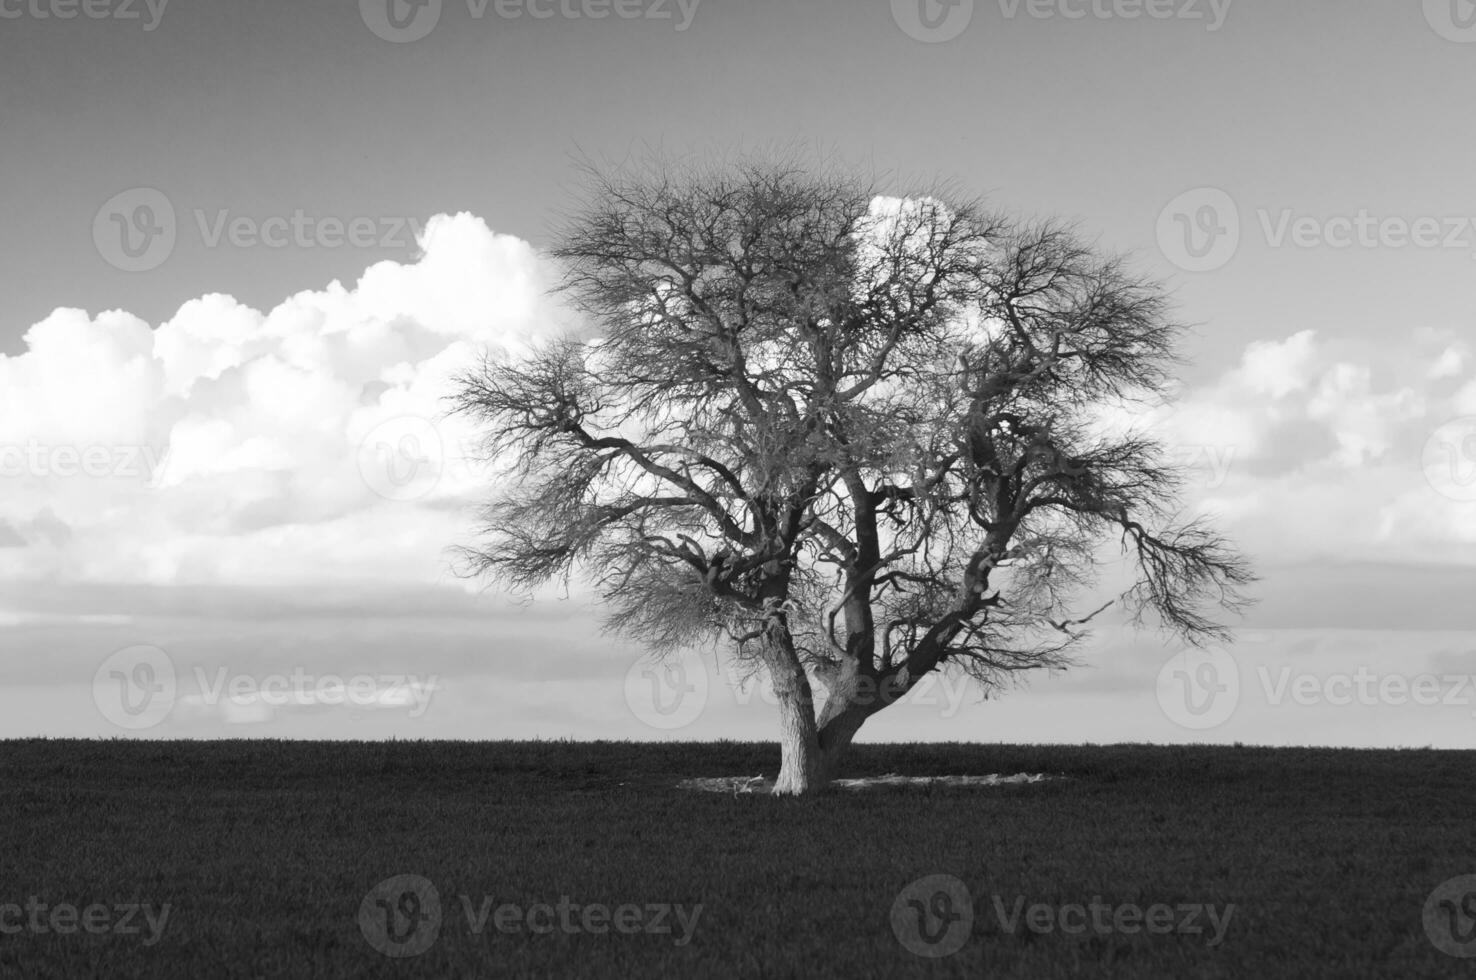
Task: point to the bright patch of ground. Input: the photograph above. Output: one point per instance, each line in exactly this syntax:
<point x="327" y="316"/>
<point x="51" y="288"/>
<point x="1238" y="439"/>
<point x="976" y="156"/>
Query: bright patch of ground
<point x="758" y="784"/>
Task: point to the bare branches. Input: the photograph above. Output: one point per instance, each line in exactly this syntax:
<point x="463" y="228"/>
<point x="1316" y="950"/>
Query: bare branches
<point x="856" y="432"/>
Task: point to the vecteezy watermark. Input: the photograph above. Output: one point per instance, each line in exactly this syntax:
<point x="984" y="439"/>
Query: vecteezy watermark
<point x="1201" y="230"/>
<point x="574" y="918"/>
<point x="673" y="692"/>
<point x="1363" y="229"/>
<point x="1450" y="459"/>
<point x="1454" y="20"/>
<point x="1108" y="918"/>
<point x="138" y="687"/>
<point x="1199" y="689"/>
<point x="135" y="687"/>
<point x="1202" y="689"/>
<point x="402" y="458"/>
<point x="95" y="461"/>
<point x="407" y="457"/>
<point x="98" y="919"/>
<point x="933" y="21"/>
<point x="934" y="917"/>
<point x="1205" y="466"/>
<point x="1365" y="688"/>
<point x="946" y="693"/>
<point x="670" y="693"/>
<point x="402" y="21"/>
<point x="936" y="21"/>
<point x="150" y="12"/>
<point x="1213" y="12"/>
<point x="403" y="916"/>
<point x="1450" y="916"/>
<point x="136" y="230"/>
<point x="302" y="689"/>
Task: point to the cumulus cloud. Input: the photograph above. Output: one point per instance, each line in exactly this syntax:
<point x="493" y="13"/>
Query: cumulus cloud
<point x="228" y="445"/>
<point x="1322" y="446"/>
<point x="310" y="443"/>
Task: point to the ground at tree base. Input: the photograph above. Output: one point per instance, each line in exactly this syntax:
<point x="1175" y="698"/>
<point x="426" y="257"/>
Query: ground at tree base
<point x="892" y="780"/>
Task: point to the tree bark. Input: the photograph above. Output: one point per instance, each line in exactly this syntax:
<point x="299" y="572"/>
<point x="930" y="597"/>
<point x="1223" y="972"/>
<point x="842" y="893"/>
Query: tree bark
<point x="800" y="758"/>
<point x="810" y="754"/>
<point x="799" y="735"/>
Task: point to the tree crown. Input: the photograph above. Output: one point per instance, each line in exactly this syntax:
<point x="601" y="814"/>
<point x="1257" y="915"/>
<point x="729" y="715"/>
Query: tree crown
<point x="874" y="426"/>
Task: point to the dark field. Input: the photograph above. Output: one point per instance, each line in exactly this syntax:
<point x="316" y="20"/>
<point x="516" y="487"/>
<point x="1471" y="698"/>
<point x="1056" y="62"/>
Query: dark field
<point x="264" y="852"/>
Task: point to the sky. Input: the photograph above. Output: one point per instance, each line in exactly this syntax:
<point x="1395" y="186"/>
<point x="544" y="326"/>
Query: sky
<point x="246" y="244"/>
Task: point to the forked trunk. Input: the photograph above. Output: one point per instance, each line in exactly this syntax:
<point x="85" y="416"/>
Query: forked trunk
<point x="810" y="754"/>
<point x="810" y="748"/>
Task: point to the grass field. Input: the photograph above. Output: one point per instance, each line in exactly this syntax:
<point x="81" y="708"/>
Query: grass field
<point x="266" y="854"/>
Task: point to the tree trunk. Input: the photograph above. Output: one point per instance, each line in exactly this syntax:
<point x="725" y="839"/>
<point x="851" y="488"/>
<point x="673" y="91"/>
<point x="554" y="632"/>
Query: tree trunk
<point x="809" y="754"/>
<point x="810" y="748"/>
<point x="800" y="768"/>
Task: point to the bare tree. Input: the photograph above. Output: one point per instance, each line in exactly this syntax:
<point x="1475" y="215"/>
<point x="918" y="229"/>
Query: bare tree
<point x="859" y="439"/>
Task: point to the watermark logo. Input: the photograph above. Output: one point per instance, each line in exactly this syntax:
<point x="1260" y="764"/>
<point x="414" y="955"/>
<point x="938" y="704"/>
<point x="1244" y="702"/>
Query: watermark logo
<point x="90" y="9"/>
<point x="303" y="689"/>
<point x="1199" y="231"/>
<point x="1450" y="917"/>
<point x="401" y="916"/>
<point x="400" y="21"/>
<point x="1199" y="689"/>
<point x="65" y="918"/>
<point x="139" y="686"/>
<point x="933" y="917"/>
<point x="1365" y="688"/>
<point x="96" y="461"/>
<point x="135" y="230"/>
<point x="1364" y="230"/>
<point x="306" y="231"/>
<point x="1107" y="918"/>
<point x="667" y="694"/>
<point x="680" y="12"/>
<point x="1206" y="466"/>
<point x="933" y="21"/>
<point x="1454" y="20"/>
<point x="1213" y="12"/>
<point x="402" y="459"/>
<point x="572" y="918"/>
<point x="134" y="688"/>
<point x="1450" y="459"/>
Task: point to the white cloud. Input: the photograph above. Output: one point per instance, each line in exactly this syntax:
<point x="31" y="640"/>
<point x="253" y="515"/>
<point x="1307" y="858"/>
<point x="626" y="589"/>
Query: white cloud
<point x="1278" y="368"/>
<point x="309" y="444"/>
<point x="1325" y="439"/>
<point x="1452" y="362"/>
<point x="225" y="444"/>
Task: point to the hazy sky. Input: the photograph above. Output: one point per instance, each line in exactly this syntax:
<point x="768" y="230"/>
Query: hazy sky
<point x="1298" y="173"/>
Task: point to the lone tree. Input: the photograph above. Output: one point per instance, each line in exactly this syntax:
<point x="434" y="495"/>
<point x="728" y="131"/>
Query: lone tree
<point x="859" y="439"/>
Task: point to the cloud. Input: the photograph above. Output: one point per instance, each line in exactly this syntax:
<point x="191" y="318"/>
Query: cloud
<point x="1323" y="445"/>
<point x="309" y="444"/>
<point x="229" y="445"/>
<point x="1278" y="368"/>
